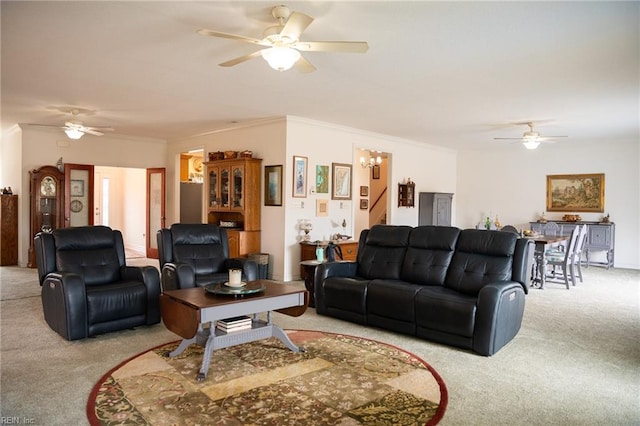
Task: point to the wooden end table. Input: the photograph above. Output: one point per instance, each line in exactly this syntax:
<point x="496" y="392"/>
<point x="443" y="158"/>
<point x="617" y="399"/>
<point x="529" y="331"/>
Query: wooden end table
<point x="186" y="311"/>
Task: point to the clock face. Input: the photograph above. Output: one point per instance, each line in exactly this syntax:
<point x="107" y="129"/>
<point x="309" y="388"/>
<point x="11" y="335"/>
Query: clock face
<point x="48" y="187"/>
<point x="76" y="206"/>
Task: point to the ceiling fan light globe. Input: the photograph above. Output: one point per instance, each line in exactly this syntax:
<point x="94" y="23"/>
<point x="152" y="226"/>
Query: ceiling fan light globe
<point x="280" y="58"/>
<point x="531" y="143"/>
<point x="74" y="133"/>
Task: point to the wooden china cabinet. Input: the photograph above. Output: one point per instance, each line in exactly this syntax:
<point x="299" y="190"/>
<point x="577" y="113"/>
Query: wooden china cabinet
<point x="46" y="190"/>
<point x="232" y="194"/>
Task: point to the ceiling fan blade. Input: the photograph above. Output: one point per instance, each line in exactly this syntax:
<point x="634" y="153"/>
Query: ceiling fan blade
<point x="296" y="24"/>
<point x="233" y="37"/>
<point x="51" y="126"/>
<point x="304" y="66"/>
<point x="508" y="139"/>
<point x="333" y="46"/>
<point x="240" y="59"/>
<point x="91" y="132"/>
<point x="98" y="129"/>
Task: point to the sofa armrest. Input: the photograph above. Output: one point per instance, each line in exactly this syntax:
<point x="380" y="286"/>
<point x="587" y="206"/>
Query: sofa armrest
<point x="64" y="303"/>
<point x="335" y="269"/>
<point x="249" y="267"/>
<point x="499" y="311"/>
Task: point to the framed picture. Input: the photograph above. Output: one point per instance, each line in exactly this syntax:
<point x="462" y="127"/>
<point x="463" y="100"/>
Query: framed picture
<point x="322" y="179"/>
<point x="575" y="193"/>
<point x="341" y="181"/>
<point x="364" y="204"/>
<point x="77" y="188"/>
<point x="375" y="172"/>
<point x="299" y="176"/>
<point x="322" y="207"/>
<point x="273" y="185"/>
<point x="364" y="191"/>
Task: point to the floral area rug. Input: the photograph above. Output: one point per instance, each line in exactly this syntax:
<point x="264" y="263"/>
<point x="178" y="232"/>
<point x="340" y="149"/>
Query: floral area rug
<point x="339" y="380"/>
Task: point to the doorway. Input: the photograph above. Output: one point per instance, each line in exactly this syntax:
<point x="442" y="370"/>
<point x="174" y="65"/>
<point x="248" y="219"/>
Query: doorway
<point x="118" y="204"/>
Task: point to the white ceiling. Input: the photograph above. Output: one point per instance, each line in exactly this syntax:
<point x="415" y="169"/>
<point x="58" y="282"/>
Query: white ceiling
<point x="446" y="73"/>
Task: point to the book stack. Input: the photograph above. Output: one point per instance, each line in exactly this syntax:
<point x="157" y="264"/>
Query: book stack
<point x="229" y="325"/>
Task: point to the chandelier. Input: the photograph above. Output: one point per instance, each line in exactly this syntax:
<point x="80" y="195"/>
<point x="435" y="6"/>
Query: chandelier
<point x="372" y="161"/>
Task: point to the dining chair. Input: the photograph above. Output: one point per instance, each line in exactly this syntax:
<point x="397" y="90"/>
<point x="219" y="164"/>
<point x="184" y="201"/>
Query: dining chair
<point x="551" y="228"/>
<point x="510" y="228"/>
<point x="564" y="260"/>
<point x="577" y="256"/>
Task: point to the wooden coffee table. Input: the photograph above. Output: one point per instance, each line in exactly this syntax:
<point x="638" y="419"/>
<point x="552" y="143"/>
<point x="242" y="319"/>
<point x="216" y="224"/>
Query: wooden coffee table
<point x="187" y="311"/>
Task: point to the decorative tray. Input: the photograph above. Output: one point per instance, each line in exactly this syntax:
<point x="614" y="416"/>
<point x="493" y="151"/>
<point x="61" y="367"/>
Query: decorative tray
<point x="252" y="287"/>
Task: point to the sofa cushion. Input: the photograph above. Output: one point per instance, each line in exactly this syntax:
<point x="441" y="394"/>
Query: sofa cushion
<point x="481" y="257"/>
<point x="445" y="310"/>
<point x="348" y="294"/>
<point x="383" y="251"/>
<point x="429" y="253"/>
<point x="392" y="299"/>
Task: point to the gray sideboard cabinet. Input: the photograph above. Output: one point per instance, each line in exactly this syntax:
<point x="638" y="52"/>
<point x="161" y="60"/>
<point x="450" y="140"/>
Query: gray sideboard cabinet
<point x="600" y="237"/>
<point x="434" y="208"/>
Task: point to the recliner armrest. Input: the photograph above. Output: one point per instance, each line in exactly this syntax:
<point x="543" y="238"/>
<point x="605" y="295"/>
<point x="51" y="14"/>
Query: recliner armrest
<point x="249" y="267"/>
<point x="68" y="316"/>
<point x="177" y="275"/>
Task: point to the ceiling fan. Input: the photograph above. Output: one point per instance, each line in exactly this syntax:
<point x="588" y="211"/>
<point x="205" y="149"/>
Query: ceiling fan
<point x="75" y="129"/>
<point x="282" y="42"/>
<point x="531" y="139"/>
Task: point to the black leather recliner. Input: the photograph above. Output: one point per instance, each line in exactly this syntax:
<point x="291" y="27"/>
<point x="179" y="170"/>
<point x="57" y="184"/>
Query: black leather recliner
<point x="87" y="288"/>
<point x="194" y="255"/>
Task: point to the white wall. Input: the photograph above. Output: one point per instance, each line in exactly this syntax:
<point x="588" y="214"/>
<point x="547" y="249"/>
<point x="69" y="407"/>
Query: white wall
<point x="432" y="168"/>
<point x="40" y="147"/>
<point x="266" y="139"/>
<point x="511" y="182"/>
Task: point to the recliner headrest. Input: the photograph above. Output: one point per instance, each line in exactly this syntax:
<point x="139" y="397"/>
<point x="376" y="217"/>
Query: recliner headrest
<point x="83" y="237"/>
<point x="196" y="233"/>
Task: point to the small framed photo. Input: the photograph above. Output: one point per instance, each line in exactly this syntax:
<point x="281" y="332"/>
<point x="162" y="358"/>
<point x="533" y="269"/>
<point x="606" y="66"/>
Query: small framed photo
<point x="273" y="185"/>
<point x="375" y="172"/>
<point x="77" y="188"/>
<point x="364" y="191"/>
<point x="322" y="207"/>
<point x="341" y="181"/>
<point x="364" y="204"/>
<point x="299" y="176"/>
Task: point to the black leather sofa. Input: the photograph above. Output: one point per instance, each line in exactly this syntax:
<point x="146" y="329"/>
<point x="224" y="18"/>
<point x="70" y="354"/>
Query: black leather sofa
<point x="464" y="288"/>
<point x="87" y="288"/>
<point x="195" y="255"/>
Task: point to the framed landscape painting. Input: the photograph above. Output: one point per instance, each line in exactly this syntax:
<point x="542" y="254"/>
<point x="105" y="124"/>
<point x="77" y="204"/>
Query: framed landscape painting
<point x="575" y="193"/>
<point x="341" y="181"/>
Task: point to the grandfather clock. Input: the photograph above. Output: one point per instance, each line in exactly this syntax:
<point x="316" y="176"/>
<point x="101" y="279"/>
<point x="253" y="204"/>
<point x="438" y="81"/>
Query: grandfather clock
<point x="47" y="204"/>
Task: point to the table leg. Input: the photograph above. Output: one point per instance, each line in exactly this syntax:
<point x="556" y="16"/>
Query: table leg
<point x="260" y="330"/>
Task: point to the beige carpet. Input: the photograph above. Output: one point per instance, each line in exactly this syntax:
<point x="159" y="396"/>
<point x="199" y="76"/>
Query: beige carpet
<point x="576" y="360"/>
<point x="337" y="380"/>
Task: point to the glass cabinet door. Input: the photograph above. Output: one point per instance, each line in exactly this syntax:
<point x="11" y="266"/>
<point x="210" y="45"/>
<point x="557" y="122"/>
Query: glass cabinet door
<point x="214" y="198"/>
<point x="238" y="186"/>
<point x="224" y="187"/>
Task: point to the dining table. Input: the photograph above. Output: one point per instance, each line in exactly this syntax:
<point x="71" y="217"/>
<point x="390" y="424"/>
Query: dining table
<point x="539" y="268"/>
